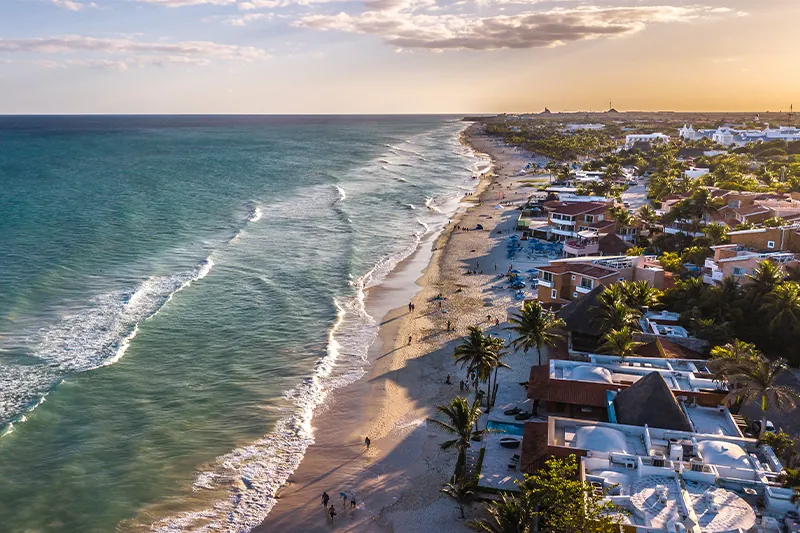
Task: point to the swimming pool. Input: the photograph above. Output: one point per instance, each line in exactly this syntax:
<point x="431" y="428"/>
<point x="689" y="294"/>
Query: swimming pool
<point x="505" y="427"/>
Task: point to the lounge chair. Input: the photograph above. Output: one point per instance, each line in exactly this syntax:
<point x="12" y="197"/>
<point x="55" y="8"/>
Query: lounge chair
<point x="523" y="416"/>
<point x="513" y="411"/>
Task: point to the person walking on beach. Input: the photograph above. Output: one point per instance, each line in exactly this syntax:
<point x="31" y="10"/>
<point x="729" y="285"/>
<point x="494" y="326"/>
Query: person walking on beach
<point x="448" y="379"/>
<point x="332" y="512"/>
<point x="409" y="340"/>
<point x="461" y="385"/>
<point x="343" y="494"/>
<point x="352" y="500"/>
<point x="410" y="307"/>
<point x="325" y="499"/>
<point x="448" y="325"/>
<point x="367" y="442"/>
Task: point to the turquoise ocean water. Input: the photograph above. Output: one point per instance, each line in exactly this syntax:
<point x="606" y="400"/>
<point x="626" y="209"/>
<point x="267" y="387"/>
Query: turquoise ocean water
<point x="177" y="294"/>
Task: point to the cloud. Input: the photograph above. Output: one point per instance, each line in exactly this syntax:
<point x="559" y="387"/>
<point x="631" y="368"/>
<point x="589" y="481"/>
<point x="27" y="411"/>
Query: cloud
<point x="247" y="19"/>
<point x="186" y="3"/>
<point x="148" y="52"/>
<point x="404" y="26"/>
<point x="70" y="5"/>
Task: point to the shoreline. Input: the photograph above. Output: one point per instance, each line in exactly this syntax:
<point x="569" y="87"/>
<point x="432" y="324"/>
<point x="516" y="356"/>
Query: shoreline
<point x="404" y="468"/>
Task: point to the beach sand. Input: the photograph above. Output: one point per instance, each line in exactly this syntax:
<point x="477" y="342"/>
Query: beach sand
<point x="398" y="480"/>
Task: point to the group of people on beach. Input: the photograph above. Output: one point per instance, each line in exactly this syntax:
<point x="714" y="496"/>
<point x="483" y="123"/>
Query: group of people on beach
<point x="331" y="510"/>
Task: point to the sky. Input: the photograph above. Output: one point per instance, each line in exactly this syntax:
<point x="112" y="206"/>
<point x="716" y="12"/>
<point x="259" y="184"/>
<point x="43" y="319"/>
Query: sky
<point x="396" y="56"/>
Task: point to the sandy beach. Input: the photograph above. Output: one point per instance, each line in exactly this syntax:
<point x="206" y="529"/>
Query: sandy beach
<point x="398" y="480"/>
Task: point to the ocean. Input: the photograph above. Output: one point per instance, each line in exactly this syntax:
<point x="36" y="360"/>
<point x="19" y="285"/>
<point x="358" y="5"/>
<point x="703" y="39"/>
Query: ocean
<point x="178" y="294"/>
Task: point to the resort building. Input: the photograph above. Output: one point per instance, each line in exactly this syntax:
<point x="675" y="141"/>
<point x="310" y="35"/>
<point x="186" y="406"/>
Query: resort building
<point x="567" y="280"/>
<point x="566" y="221"/>
<point x="588" y="389"/>
<point x="647" y="138"/>
<point x="737" y="261"/>
<point x="727" y="136"/>
<point x="651" y="433"/>
<point x="785" y="238"/>
<point x="670" y="480"/>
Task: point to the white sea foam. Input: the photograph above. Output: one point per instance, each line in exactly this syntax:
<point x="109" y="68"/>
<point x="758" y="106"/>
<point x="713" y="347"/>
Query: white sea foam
<point x="255" y="215"/>
<point x="253" y="474"/>
<point x="342" y="194"/>
<point x="97" y="335"/>
<point x="429" y="204"/>
<point x="410" y="206"/>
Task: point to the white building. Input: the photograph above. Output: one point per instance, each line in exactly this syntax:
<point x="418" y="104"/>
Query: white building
<point x="695" y="172"/>
<point x="585" y="127"/>
<point x="727" y="136"/>
<point x="649" y="138"/>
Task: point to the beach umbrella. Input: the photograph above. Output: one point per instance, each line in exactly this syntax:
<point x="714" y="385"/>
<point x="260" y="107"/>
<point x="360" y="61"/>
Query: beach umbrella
<point x="531" y="270"/>
<point x="515" y="271"/>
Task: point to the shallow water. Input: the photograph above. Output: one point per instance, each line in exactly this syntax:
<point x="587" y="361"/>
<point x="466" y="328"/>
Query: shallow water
<point x="178" y="293"/>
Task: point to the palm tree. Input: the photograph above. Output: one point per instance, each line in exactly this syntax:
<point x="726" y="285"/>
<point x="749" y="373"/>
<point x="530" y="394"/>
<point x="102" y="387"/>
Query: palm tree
<point x="478" y="353"/>
<point x="620" y="342"/>
<point x="640" y="294"/>
<point x="616" y="315"/>
<point x="534" y="326"/>
<point x="783" y="305"/>
<point x="616" y="292"/>
<point x="461" y="417"/>
<point x="757" y="380"/>
<point x="462" y="491"/>
<point x="506" y="515"/>
<point x="717" y="233"/>
<point x="648" y="215"/>
<point x="736" y="350"/>
<point x="765" y="279"/>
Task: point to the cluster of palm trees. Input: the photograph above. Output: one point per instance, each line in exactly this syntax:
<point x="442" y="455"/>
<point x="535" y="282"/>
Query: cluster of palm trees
<point x="765" y="311"/>
<point x="753" y="377"/>
<point x="481" y="355"/>
<point x="619" y="309"/>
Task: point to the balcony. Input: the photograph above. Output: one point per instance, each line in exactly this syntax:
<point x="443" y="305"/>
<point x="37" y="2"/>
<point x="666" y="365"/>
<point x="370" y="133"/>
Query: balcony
<point x="562" y="222"/>
<point x="581" y="248"/>
<point x="583" y="290"/>
<point x="566" y="233"/>
<point x="710" y="263"/>
<point x="543" y="283"/>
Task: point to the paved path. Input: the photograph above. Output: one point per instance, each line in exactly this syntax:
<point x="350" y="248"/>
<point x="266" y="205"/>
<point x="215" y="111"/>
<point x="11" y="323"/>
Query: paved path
<point x="636" y="196"/>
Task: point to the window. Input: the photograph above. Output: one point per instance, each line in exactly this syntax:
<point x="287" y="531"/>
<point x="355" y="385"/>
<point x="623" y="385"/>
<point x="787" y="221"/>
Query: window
<point x="573" y="277"/>
<point x="574" y="294"/>
<point x="739" y="271"/>
<point x="588" y="218"/>
<point x="554" y="294"/>
<point x="587" y="283"/>
<point x="770" y="244"/>
<point x="547" y="276"/>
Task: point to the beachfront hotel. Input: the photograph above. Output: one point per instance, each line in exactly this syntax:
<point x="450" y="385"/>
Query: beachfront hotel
<point x="651" y="433"/>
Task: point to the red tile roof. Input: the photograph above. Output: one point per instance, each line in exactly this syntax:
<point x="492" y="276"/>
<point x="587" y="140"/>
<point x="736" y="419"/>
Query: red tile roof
<point x="580" y="208"/>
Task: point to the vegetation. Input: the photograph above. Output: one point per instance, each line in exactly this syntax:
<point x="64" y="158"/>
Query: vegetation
<point x="481" y="355"/>
<point x="553" y="500"/>
<point x="757" y="380"/>
<point x="462" y="491"/>
<point x="460" y="417"/>
<point x="535" y="328"/>
<point x="620" y="342"/>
